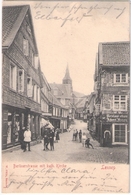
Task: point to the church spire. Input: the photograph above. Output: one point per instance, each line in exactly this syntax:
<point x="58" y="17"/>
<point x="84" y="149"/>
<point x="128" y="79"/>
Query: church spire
<point x="67" y="79"/>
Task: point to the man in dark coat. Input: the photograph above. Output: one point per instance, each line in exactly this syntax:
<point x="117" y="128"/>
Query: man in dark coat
<point x="21" y="138"/>
<point x="80" y="135"/>
<point x="45" y="136"/>
<point x="51" y="137"/>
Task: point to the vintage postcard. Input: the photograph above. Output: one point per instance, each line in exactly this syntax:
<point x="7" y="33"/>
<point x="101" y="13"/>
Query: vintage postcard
<point x="65" y="97"/>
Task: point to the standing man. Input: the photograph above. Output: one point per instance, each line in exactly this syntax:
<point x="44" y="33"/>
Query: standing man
<point x="80" y="135"/>
<point x="27" y="138"/>
<point x="51" y="137"/>
<point x="21" y="138"/>
<point x="46" y="139"/>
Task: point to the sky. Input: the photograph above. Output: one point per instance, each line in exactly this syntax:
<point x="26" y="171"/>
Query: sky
<point x="68" y="33"/>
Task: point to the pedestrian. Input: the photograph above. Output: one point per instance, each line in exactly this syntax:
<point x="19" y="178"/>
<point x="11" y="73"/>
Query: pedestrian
<point x="21" y="138"/>
<point x="80" y="135"/>
<point x="46" y="139"/>
<point x="51" y="137"/>
<point x="27" y="138"/>
<point x="57" y="135"/>
<point x="83" y="139"/>
<point x="76" y="134"/>
<point x="88" y="144"/>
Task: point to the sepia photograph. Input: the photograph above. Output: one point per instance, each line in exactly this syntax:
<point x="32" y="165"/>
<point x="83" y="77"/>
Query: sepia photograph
<point x="65" y="97"/>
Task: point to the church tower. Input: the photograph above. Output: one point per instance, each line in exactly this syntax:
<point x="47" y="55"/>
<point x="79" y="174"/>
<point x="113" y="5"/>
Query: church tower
<point x="68" y="82"/>
<point x="67" y="79"/>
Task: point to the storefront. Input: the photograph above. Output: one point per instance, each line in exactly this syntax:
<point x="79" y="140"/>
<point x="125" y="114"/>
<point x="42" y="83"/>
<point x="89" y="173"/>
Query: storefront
<point x="13" y="120"/>
<point x="114" y="129"/>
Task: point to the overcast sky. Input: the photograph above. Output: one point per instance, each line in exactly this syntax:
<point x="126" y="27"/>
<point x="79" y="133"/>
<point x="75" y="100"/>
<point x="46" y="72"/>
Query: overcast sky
<point x="75" y="42"/>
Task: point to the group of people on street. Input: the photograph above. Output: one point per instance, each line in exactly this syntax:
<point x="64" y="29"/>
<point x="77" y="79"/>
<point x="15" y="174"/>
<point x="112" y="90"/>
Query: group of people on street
<point x="49" y="136"/>
<point x="82" y="138"/>
<point x="25" y="138"/>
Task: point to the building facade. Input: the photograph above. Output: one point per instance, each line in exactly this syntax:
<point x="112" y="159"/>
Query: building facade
<point x="59" y="117"/>
<point x="21" y="76"/>
<point x="112" y="77"/>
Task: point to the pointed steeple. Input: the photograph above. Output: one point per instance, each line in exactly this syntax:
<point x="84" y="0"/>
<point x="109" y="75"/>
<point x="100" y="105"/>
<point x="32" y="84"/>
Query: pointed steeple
<point x="67" y="79"/>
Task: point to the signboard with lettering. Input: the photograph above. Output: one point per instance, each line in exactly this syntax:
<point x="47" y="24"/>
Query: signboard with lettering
<point x="115" y="118"/>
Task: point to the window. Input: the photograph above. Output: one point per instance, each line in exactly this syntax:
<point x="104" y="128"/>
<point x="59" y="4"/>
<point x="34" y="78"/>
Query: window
<point x="36" y="62"/>
<point x="38" y="94"/>
<point x="120" y="102"/>
<point x="29" y="87"/>
<point x="121" y="78"/>
<point x="20" y="80"/>
<point x="13" y="76"/>
<point x="119" y="133"/>
<point x="35" y="92"/>
<point x="25" y="47"/>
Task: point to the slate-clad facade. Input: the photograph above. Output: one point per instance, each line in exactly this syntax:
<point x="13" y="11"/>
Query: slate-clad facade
<point x="21" y="75"/>
<point x="112" y="75"/>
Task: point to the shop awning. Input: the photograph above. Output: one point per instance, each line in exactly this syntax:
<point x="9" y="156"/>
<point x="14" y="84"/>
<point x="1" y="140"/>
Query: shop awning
<point x="45" y="123"/>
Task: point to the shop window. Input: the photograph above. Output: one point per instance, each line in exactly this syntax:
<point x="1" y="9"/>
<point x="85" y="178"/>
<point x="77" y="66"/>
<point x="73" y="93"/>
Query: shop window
<point x="20" y="80"/>
<point x="120" y="102"/>
<point x="9" y="129"/>
<point x="13" y="76"/>
<point x="121" y="78"/>
<point x="29" y="87"/>
<point x="25" y="47"/>
<point x="17" y="127"/>
<point x="120" y="133"/>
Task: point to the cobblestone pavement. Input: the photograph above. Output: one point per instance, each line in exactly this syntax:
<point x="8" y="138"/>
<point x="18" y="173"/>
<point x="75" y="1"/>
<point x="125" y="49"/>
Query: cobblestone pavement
<point x="70" y="151"/>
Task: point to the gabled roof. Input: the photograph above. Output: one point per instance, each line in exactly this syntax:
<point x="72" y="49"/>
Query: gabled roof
<point x="114" y="54"/>
<point x="53" y="100"/>
<point x="77" y="94"/>
<point x="62" y="90"/>
<point x="12" y="18"/>
<point x="81" y="102"/>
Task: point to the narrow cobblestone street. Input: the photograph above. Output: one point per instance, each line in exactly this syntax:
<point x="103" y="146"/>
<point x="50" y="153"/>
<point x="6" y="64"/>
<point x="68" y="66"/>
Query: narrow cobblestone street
<point x="69" y="151"/>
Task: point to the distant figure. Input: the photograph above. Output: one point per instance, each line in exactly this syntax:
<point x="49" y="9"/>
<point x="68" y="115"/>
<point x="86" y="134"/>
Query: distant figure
<point x="83" y="139"/>
<point x="87" y="143"/>
<point x="46" y="139"/>
<point x="51" y="137"/>
<point x="76" y="135"/>
<point x="27" y="138"/>
<point x="21" y="138"/>
<point x="57" y="135"/>
<point x="80" y="135"/>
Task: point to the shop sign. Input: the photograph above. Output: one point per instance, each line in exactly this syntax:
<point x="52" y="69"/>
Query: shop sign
<point x="115" y="118"/>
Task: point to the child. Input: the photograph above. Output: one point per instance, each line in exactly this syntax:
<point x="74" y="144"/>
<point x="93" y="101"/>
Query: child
<point x="87" y="143"/>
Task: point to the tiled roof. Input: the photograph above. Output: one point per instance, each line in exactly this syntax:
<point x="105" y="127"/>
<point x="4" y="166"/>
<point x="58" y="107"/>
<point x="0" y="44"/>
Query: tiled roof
<point x="12" y="17"/>
<point x="81" y="102"/>
<point x="62" y="89"/>
<point x="55" y="101"/>
<point x="77" y="94"/>
<point x="114" y="54"/>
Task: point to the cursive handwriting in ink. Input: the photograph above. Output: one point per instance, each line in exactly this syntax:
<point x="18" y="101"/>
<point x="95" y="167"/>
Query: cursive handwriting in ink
<point x="76" y="13"/>
<point x="73" y="179"/>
